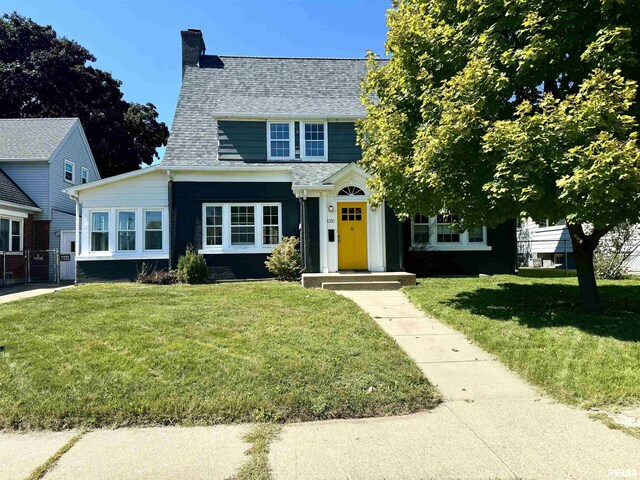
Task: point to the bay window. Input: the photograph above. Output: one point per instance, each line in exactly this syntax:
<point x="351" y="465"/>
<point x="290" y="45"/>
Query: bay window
<point x="241" y="227"/>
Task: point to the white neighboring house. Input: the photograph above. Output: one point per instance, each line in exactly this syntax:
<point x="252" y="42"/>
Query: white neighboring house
<point x="44" y="156"/>
<point x="548" y="245"/>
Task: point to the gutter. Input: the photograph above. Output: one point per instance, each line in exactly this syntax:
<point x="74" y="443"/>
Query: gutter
<point x="281" y="116"/>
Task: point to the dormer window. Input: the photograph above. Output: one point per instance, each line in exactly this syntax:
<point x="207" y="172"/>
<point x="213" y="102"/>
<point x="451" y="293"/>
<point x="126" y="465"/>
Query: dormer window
<point x="280" y="140"/>
<point x="314" y="141"/>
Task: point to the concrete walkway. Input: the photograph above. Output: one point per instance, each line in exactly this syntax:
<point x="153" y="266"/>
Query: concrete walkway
<point x="491" y="424"/>
<point x="13" y="293"/>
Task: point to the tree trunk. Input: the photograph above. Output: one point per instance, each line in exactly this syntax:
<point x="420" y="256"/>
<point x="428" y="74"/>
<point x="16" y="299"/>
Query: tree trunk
<point x="589" y="295"/>
<point x="583" y="247"/>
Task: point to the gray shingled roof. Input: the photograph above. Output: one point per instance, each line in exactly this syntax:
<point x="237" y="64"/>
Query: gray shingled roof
<point x="264" y="87"/>
<point x="32" y="138"/>
<point x="12" y="193"/>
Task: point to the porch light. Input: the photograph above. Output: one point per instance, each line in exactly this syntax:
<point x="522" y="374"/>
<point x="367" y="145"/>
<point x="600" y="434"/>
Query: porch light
<point x="330" y="208"/>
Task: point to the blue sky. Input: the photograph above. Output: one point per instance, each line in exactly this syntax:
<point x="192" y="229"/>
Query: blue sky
<point x="139" y="41"/>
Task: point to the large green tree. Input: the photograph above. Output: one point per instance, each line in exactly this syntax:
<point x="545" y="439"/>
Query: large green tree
<point x="499" y="109"/>
<point x="43" y="75"/>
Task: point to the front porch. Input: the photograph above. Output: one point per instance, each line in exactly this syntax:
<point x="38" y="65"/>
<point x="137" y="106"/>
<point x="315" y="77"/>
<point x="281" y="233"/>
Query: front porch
<point x="358" y="280"/>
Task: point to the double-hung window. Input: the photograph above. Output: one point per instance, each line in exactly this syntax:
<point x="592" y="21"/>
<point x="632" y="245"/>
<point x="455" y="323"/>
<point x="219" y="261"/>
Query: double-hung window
<point x="84" y="175"/>
<point x="475" y="235"/>
<point x="280" y="140"/>
<point x="153" y="230"/>
<point x="243" y="231"/>
<point x="270" y="224"/>
<point x="213" y="222"/>
<point x="314" y="141"/>
<point x="446" y="233"/>
<point x="126" y="231"/>
<point x="10" y="235"/>
<point x="420" y="230"/>
<point x="241" y="227"/>
<point x="99" y="231"/>
<point x="69" y="172"/>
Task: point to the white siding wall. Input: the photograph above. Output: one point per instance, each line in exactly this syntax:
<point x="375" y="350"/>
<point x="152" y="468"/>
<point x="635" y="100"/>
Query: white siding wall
<point x="148" y="191"/>
<point x="33" y="178"/>
<point x="548" y="239"/>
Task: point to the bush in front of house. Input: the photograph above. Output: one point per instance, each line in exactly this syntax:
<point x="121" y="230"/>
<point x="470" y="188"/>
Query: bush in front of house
<point x="285" y="261"/>
<point x="192" y="267"/>
<point x="156" y="277"/>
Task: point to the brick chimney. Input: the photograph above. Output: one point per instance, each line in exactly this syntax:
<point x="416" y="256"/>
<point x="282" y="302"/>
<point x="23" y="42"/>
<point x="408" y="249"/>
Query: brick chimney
<point x="192" y="47"/>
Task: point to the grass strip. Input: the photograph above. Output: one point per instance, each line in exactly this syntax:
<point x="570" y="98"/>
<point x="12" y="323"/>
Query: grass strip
<point x="257" y="466"/>
<point x="42" y="470"/>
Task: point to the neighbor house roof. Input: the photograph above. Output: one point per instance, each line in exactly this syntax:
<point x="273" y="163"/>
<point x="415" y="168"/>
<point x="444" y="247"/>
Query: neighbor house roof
<point x="12" y="193"/>
<point x="261" y="88"/>
<point x="32" y="138"/>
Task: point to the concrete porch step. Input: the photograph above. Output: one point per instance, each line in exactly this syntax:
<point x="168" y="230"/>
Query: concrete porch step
<point x="316" y="280"/>
<point x="361" y="285"/>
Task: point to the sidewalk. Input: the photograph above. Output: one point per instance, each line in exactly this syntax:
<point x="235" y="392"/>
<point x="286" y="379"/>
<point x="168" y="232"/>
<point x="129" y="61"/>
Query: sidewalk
<point x="13" y="293"/>
<point x="492" y="425"/>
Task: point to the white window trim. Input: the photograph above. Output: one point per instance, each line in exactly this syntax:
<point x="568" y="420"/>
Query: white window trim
<point x="108" y="230"/>
<point x="84" y="175"/>
<point x="10" y="251"/>
<point x="303" y="147"/>
<point x="419" y="246"/>
<point x="145" y="230"/>
<point x="73" y="172"/>
<point x="135" y="230"/>
<point x="226" y="246"/>
<point x="434" y="245"/>
<point x="86" y="253"/>
<point x="292" y="142"/>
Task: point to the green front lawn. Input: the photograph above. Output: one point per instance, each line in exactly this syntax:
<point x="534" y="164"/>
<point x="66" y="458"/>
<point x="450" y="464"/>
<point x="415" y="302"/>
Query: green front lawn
<point x="126" y="354"/>
<point x="536" y="327"/>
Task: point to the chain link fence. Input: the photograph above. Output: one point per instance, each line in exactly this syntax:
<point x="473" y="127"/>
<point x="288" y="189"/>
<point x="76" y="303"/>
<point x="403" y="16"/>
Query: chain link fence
<point x="29" y="266"/>
<point x="559" y="255"/>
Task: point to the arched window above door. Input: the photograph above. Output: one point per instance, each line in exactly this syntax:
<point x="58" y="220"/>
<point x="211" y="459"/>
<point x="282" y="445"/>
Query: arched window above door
<point x="350" y="191"/>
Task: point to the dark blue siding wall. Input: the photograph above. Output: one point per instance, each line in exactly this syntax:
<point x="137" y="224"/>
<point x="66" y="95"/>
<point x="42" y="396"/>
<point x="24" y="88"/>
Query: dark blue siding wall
<point x="501" y="259"/>
<point x="188" y="198"/>
<point x="240" y="140"/>
<point x="115" y="270"/>
<point x="342" y="142"/>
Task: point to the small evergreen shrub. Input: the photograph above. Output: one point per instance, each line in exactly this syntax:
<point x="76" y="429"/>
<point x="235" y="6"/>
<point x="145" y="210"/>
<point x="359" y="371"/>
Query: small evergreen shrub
<point x="192" y="267"/>
<point x="285" y="261"/>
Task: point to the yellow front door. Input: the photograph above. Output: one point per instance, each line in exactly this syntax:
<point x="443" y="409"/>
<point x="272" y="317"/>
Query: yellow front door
<point x="352" y="236"/>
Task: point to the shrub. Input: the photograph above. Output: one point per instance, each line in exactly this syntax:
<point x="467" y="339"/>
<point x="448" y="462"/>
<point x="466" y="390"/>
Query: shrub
<point x="285" y="262"/>
<point x="157" y="277"/>
<point x="192" y="267"/>
<point x="611" y="258"/>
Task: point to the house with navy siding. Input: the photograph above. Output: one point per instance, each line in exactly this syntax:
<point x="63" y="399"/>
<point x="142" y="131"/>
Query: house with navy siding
<point x="39" y="159"/>
<point x="262" y="148"/>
